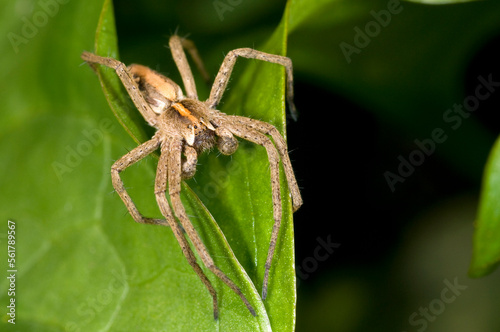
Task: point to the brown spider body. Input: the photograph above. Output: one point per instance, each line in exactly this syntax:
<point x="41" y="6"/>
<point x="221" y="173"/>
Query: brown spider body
<point x="189" y="118"/>
<point x="185" y="128"/>
<point x="177" y="113"/>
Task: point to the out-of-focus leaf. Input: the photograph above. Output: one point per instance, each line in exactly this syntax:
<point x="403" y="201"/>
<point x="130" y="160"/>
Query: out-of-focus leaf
<point x="486" y="250"/>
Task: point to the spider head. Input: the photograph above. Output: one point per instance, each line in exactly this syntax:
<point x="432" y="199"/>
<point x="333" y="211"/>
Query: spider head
<point x="190" y="118"/>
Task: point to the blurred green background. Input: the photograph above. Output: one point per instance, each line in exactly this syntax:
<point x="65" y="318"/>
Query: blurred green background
<point x="368" y="256"/>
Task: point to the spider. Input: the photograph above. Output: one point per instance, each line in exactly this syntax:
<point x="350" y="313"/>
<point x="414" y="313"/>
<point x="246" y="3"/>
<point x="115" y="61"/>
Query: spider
<point x="186" y="127"/>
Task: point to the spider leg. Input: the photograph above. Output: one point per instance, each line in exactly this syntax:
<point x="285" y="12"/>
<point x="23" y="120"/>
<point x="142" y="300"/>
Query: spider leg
<point x="129" y="84"/>
<point x="280" y="143"/>
<point x="189" y="164"/>
<point x="121" y="164"/>
<point x="177" y="46"/>
<point x="160" y="189"/>
<point x="174" y="185"/>
<point x="258" y="138"/>
<point x="226" y="69"/>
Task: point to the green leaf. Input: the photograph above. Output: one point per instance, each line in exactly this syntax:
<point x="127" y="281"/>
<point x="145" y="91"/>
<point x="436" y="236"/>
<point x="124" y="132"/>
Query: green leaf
<point x="106" y="44"/>
<point x="282" y="288"/>
<point x="83" y="264"/>
<point x="486" y="250"/>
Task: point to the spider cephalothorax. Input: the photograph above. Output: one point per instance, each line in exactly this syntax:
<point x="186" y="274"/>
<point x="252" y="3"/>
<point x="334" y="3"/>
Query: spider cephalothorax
<point x="176" y="113"/>
<point x="185" y="128"/>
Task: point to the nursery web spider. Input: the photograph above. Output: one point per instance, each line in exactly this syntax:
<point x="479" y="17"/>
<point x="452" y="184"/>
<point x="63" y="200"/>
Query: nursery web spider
<point x="186" y="127"/>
